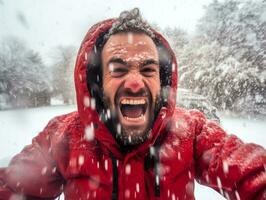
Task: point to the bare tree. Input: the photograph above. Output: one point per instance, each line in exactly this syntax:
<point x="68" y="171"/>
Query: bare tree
<point x="226" y="59"/>
<point x="24" y="81"/>
<point x="62" y="73"/>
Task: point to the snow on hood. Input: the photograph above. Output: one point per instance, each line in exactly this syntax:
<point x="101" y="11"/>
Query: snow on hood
<point x="86" y="104"/>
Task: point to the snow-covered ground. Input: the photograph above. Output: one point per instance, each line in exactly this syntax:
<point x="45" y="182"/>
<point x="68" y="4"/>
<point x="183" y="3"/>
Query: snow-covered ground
<point x="18" y="127"/>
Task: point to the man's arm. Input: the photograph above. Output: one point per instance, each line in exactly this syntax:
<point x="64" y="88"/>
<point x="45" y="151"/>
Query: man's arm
<point x="32" y="174"/>
<point x="225" y="163"/>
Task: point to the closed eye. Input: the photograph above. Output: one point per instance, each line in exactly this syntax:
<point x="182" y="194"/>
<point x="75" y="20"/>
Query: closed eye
<point x="118" y="72"/>
<point x="149" y="70"/>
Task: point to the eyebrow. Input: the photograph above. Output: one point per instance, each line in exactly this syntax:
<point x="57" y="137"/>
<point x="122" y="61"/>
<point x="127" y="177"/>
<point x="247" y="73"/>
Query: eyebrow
<point x="121" y="61"/>
<point x="149" y="61"/>
<point x="117" y="60"/>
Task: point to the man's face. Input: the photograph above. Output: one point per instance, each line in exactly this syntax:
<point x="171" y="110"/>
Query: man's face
<point x="131" y="83"/>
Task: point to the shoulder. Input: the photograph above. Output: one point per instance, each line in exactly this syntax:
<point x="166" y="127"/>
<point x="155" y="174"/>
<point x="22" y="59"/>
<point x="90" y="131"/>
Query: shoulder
<point x="63" y="122"/>
<point x="191" y="120"/>
<point x="196" y="122"/>
<point x="189" y="115"/>
<point x="59" y="128"/>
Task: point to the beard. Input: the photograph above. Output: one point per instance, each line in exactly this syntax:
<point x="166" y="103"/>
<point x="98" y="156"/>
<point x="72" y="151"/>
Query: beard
<point x="124" y="136"/>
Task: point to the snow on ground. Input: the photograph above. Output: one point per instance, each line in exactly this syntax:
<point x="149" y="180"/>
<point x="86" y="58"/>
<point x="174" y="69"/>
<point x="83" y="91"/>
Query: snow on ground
<point x="18" y="127"/>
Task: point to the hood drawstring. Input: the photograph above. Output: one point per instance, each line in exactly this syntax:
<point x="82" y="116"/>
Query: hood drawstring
<point x="153" y="160"/>
<point x="115" y="177"/>
<point x="156" y="159"/>
<point x="157" y="187"/>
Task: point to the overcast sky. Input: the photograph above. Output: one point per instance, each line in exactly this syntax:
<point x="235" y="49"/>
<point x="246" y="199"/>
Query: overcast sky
<point x="46" y="24"/>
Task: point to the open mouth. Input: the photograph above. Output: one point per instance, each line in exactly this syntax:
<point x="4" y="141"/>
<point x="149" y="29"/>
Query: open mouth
<point x="133" y="109"/>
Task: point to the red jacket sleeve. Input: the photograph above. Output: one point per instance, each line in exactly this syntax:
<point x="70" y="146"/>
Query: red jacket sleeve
<point x="32" y="174"/>
<point x="225" y="163"/>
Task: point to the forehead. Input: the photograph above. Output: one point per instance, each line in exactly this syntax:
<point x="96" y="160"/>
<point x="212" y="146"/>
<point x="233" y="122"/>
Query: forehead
<point x="130" y="46"/>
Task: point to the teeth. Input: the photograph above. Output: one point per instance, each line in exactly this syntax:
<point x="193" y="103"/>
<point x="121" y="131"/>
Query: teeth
<point x="135" y="119"/>
<point x="133" y="101"/>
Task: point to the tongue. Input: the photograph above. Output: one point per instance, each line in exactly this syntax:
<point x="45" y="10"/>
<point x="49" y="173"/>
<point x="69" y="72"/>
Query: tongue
<point x="131" y="111"/>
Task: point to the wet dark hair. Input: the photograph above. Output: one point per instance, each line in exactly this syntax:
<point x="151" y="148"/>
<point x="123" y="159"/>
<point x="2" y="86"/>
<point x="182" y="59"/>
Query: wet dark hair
<point x="129" y="21"/>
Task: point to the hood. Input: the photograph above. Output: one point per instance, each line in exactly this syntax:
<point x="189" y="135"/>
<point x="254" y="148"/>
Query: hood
<point x="86" y="104"/>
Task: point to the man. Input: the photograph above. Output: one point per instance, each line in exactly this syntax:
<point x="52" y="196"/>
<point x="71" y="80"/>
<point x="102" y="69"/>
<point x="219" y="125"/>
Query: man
<point x="128" y="140"/>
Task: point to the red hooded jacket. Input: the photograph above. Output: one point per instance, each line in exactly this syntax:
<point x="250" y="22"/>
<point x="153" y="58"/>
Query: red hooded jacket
<point x="182" y="146"/>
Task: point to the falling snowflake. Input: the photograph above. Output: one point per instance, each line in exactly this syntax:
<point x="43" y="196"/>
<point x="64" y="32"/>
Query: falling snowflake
<point x="173" y="67"/>
<point x="137" y="187"/>
<point x="219" y="183"/>
<point x="86" y="101"/>
<point x="111" y="67"/>
<point x="106" y="165"/>
<point x="225" y="167"/>
<point x="89" y="132"/>
<point x="81" y="160"/>
<point x="128" y="169"/>
<point x="108" y="114"/>
<point x="118" y="128"/>
<point x="44" y="170"/>
<point x="93" y="103"/>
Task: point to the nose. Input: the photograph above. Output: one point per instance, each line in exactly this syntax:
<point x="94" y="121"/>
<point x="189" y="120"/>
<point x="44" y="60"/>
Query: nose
<point x="134" y="83"/>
